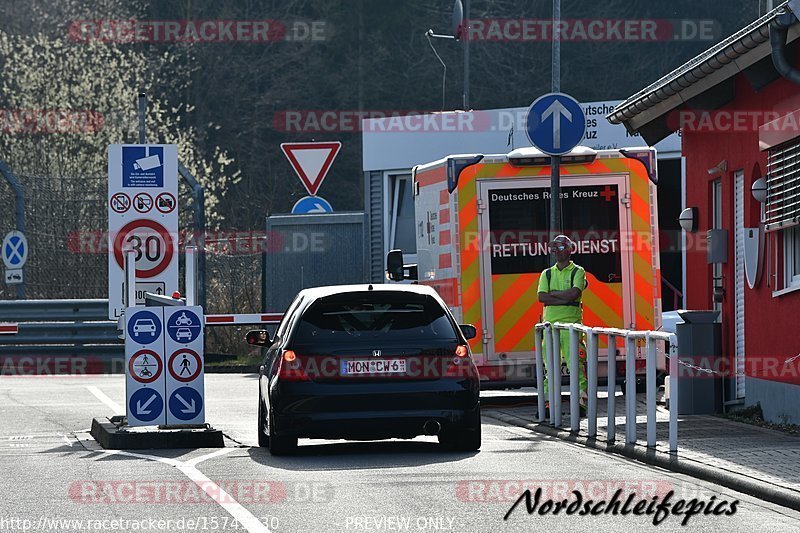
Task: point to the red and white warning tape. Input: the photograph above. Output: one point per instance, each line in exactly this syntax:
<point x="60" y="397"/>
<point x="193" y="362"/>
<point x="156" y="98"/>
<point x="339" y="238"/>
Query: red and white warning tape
<point x="255" y="318"/>
<point x="9" y="329"/>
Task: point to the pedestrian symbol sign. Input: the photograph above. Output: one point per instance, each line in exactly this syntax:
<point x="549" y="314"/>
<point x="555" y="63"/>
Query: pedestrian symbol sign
<point x="185" y="365"/>
<point x="145" y="366"/>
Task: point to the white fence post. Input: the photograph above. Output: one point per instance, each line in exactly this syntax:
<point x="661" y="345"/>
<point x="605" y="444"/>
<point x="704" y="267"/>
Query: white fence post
<point x="612" y="387"/>
<point x="650" y="372"/>
<point x="130" y="278"/>
<point x="537" y="340"/>
<point x="555" y="383"/>
<point x="630" y="389"/>
<point x="574" y="381"/>
<point x="591" y="363"/>
<point x="190" y="275"/>
<point x="673" y="393"/>
<point x="548" y="339"/>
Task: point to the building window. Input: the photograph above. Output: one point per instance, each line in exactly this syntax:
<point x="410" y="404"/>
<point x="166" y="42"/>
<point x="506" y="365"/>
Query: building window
<point x="791" y="250"/>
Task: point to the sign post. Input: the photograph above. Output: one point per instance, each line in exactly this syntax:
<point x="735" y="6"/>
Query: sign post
<point x="143" y="217"/>
<point x="555" y="125"/>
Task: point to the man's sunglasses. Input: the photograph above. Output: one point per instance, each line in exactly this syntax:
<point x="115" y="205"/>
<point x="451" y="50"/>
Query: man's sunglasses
<point x="558" y="248"/>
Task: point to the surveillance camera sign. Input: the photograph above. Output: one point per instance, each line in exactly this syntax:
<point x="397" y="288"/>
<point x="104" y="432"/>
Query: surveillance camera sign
<point x="143" y="166"/>
<point x="143" y="218"/>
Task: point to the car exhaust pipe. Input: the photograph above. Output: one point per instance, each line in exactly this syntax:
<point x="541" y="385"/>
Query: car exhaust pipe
<point x="431" y="427"/>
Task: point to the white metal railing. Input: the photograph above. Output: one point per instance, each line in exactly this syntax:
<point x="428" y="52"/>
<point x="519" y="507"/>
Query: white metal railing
<point x="549" y="331"/>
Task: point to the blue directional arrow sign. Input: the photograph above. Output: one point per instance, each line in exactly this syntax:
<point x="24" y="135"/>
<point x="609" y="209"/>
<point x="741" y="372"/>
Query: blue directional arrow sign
<point x="311" y="204"/>
<point x="185" y="403"/>
<point x="146" y="405"/>
<point x="556" y="123"/>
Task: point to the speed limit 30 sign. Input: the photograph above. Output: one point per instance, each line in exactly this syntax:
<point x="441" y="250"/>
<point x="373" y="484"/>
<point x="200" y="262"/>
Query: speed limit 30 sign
<point x="141" y="173"/>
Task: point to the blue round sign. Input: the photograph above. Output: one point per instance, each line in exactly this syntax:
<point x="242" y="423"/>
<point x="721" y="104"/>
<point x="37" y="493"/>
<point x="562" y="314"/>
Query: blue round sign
<point x="14" y="249"/>
<point x="185" y="403"/>
<point x="183" y="326"/>
<point x="556" y="123"/>
<point x="144" y="327"/>
<point x="146" y="405"/>
<point x="311" y="204"/>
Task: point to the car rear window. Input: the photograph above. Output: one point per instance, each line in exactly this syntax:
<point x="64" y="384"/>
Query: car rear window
<point x="387" y="316"/>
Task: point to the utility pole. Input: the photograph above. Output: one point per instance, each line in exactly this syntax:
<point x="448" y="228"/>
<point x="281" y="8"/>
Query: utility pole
<point x="555" y="160"/>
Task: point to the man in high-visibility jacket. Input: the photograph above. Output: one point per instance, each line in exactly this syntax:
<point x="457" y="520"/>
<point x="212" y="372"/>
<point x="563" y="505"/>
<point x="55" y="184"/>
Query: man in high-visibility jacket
<point x="560" y="290"/>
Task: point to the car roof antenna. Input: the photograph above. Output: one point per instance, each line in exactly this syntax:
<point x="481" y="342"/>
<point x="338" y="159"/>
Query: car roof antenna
<point x="369" y="288"/>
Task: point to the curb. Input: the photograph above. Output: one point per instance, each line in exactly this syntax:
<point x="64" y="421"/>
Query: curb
<point x="108" y="435"/>
<point x="759" y="489"/>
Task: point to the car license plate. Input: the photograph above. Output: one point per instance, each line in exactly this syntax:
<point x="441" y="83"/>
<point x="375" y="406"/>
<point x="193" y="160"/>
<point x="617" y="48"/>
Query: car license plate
<point x="373" y="366"/>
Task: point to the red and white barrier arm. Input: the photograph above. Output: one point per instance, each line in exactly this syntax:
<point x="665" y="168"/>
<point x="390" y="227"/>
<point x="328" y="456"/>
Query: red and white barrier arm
<point x="255" y="318"/>
<point x="9" y="329"/>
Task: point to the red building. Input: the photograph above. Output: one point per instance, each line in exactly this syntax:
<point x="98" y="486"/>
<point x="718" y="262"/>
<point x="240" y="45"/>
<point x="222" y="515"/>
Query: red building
<point x="738" y="106"/>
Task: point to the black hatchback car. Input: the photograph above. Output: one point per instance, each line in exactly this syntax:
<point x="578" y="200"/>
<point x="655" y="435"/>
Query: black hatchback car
<point x="366" y="362"/>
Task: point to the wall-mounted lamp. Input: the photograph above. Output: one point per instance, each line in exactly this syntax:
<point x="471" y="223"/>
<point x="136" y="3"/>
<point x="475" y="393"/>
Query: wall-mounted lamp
<point x="721" y="167"/>
<point x="688" y="219"/>
<point x="759" y="190"/>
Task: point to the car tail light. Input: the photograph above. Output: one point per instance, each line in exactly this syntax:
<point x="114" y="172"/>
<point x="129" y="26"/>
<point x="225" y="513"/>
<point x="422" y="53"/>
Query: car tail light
<point x="290" y="367"/>
<point x="461" y="365"/>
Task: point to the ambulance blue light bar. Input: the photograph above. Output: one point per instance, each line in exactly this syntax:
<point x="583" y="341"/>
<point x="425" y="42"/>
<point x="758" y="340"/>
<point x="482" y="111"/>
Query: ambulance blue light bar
<point x="531" y="157"/>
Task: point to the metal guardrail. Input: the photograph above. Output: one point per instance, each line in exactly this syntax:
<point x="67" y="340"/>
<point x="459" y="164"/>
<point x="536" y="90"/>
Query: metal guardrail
<point x="61" y="327"/>
<point x="552" y="347"/>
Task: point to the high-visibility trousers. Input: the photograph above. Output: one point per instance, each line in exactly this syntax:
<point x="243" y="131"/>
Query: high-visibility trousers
<point x="565" y="358"/>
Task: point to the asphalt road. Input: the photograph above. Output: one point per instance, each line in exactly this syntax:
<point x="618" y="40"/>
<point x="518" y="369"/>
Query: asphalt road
<point x="56" y="478"/>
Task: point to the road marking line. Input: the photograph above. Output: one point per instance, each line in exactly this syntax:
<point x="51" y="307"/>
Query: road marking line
<point x="100" y="395"/>
<point x="197" y="460"/>
<point x="225" y="500"/>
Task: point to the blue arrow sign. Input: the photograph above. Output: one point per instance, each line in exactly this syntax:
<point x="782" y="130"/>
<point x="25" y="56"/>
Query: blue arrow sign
<point x="146" y="405"/>
<point x="185" y="403"/>
<point x="311" y="204"/>
<point x="556" y="123"/>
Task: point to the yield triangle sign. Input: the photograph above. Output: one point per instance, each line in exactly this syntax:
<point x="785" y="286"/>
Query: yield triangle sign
<point x="311" y="161"/>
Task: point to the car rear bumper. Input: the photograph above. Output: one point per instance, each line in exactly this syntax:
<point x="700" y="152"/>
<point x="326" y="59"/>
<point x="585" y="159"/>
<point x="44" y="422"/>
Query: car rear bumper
<point x="372" y="425"/>
<point x="372" y="410"/>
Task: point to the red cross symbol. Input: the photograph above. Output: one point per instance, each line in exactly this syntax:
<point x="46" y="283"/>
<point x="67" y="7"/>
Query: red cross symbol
<point x="608" y="193"/>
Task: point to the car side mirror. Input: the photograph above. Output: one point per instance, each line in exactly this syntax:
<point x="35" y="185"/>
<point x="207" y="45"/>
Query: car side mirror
<point x="258" y="337"/>
<point x="395" y="268"/>
<point x="394" y="265"/>
<point x="469" y="331"/>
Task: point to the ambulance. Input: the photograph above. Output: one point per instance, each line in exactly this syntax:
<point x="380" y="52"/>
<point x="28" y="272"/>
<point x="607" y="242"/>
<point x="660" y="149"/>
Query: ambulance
<point x="482" y="244"/>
